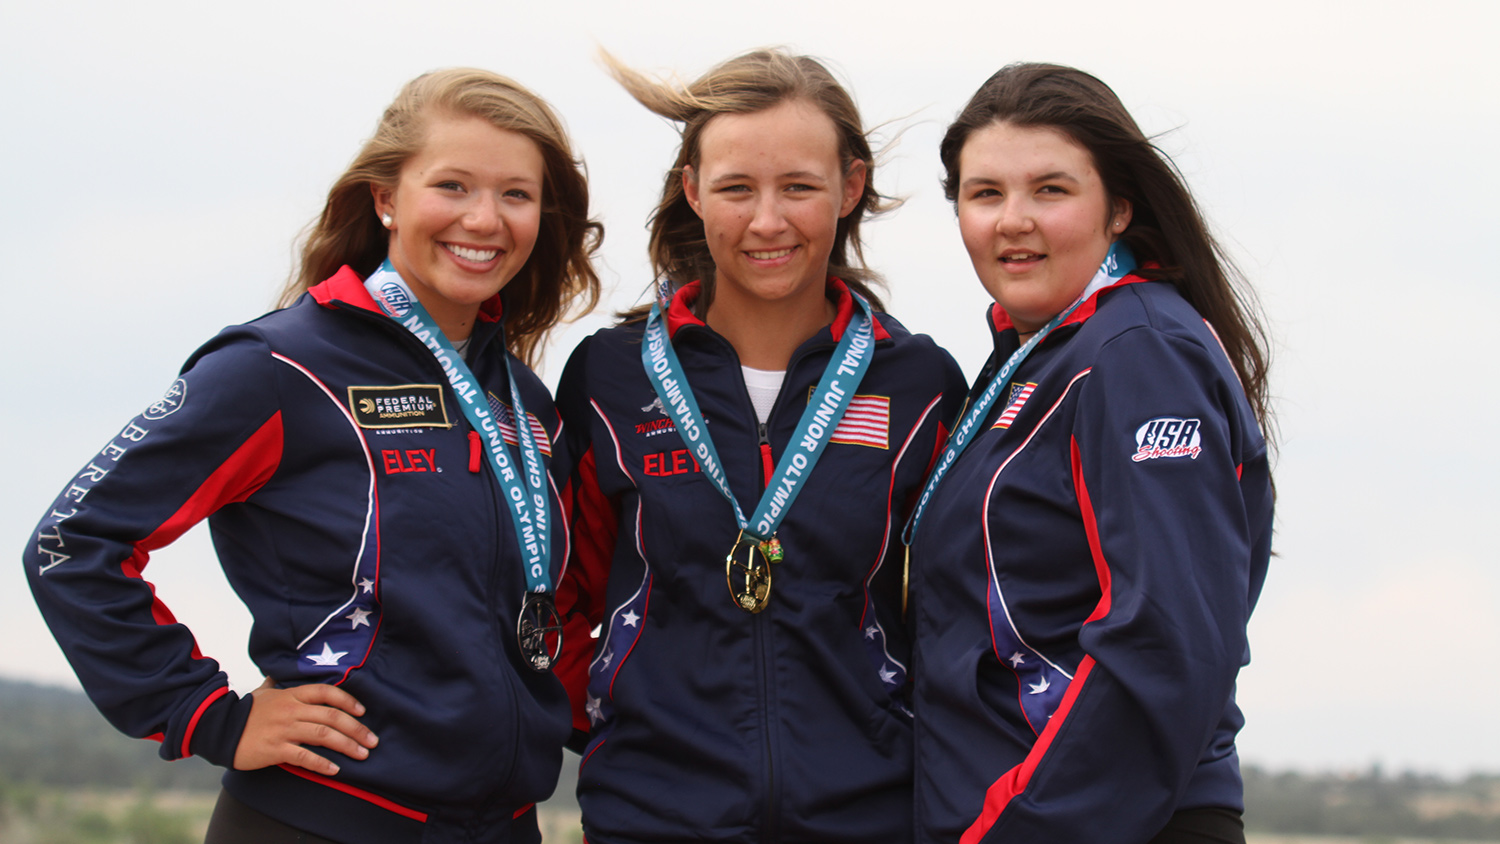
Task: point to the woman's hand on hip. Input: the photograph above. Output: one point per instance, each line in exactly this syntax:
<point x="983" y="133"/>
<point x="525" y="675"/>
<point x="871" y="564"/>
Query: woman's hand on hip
<point x="284" y="722"/>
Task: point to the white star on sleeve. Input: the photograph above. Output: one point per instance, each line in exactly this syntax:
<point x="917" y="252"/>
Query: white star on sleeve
<point x="366" y="585"/>
<point x="607" y="658"/>
<point x="871" y="631"/>
<point x="329" y="656"/>
<point x="1017" y="659"/>
<point x="596" y="713"/>
<point x="358" y="617"/>
<point x="887" y="675"/>
<point x="1038" y="688"/>
<point x="630" y="618"/>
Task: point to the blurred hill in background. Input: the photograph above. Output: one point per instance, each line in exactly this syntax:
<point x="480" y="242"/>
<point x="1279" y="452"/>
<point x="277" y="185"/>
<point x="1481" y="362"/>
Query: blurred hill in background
<point x="66" y="775"/>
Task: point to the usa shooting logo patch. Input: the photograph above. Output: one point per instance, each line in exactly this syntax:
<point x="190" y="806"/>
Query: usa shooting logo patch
<point x="1167" y="437"/>
<point x="394" y="297"/>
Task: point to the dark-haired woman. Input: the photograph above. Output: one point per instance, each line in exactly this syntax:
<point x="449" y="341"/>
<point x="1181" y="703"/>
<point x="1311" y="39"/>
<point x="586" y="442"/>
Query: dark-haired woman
<point x="747" y="451"/>
<point x="373" y="461"/>
<point x="1088" y="551"/>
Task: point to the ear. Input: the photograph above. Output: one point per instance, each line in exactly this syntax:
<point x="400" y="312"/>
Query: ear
<point x="854" y="187"/>
<point x="1119" y="219"/>
<point x="384" y="200"/>
<point x="690" y="189"/>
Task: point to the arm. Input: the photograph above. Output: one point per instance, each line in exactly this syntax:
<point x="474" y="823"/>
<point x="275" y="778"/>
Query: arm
<point x="594" y="523"/>
<point x="213" y="440"/>
<point x="1173" y="550"/>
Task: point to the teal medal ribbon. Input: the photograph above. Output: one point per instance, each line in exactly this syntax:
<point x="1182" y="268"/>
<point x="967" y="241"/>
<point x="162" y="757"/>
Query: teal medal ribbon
<point x="1119" y="263"/>
<point x="747" y="567"/>
<point x="523" y="489"/>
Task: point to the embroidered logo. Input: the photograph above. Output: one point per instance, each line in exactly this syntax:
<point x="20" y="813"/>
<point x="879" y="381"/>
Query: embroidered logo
<point x="169" y="403"/>
<point x="655" y="426"/>
<point x="399" y="406"/>
<point x="507" y="421"/>
<point x="1016" y="400"/>
<point x="401" y="461"/>
<point x="1167" y="436"/>
<point x="667" y="463"/>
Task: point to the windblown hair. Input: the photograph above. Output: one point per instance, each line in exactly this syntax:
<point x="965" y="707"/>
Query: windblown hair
<point x="556" y="276"/>
<point x="746" y="84"/>
<point x="1166" y="226"/>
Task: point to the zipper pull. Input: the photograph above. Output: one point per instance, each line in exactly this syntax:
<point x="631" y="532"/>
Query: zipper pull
<point x="475" y="451"/>
<point x="766" y="463"/>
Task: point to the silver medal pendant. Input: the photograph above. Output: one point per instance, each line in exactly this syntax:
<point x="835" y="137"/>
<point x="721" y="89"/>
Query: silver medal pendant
<point x="539" y="623"/>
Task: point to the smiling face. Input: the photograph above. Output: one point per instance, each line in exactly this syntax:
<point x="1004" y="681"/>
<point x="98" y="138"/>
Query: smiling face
<point x="464" y="216"/>
<point x="771" y="191"/>
<point x="1035" y="218"/>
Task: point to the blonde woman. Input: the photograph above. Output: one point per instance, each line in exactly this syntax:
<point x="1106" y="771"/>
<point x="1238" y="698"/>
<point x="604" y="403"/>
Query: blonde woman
<point x="357" y="455"/>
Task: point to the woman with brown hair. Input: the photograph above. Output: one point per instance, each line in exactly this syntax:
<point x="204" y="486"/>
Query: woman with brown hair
<point x="1088" y="550"/>
<point x="373" y="461"/>
<point x="747" y="448"/>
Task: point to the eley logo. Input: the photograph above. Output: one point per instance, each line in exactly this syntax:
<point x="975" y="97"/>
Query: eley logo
<point x="1167" y="437"/>
<point x="664" y="464"/>
<point x="398" y="461"/>
<point x="399" y="406"/>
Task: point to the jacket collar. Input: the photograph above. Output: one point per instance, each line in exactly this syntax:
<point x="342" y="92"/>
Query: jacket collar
<point x="680" y="313"/>
<point x="345" y="287"/>
<point x="1000" y="321"/>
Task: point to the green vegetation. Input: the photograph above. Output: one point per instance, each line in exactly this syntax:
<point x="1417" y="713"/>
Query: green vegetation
<point x="67" y="777"/>
<point x="1372" y="803"/>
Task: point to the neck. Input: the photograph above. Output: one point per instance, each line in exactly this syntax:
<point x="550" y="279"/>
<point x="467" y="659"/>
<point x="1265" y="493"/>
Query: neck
<point x="766" y="333"/>
<point x="456" y="320"/>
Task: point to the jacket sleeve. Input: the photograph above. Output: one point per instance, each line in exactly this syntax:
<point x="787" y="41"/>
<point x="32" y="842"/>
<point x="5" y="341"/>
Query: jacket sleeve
<point x="215" y="438"/>
<point x="581" y="591"/>
<point x="1157" y="447"/>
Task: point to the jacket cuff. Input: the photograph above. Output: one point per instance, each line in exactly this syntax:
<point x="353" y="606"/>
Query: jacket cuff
<point x="212" y="730"/>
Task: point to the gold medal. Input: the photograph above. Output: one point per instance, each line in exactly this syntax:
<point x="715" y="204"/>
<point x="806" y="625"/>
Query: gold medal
<point x="747" y="569"/>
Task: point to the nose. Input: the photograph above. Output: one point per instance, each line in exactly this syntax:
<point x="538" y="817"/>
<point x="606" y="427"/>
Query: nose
<point x="768" y="220"/>
<point x="482" y="214"/>
<point x="1015" y="217"/>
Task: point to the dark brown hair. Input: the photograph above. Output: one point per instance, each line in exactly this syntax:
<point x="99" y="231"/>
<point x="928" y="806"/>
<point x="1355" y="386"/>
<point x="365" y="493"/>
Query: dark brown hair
<point x="1166" y="226"/>
<point x="558" y="273"/>
<point x="753" y="82"/>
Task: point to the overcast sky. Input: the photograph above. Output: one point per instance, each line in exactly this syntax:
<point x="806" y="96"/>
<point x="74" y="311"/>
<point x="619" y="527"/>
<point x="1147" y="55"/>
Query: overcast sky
<point x="159" y="160"/>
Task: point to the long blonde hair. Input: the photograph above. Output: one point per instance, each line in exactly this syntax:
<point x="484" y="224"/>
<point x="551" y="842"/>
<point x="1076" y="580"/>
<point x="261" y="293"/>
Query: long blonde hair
<point x="753" y="82"/>
<point x="557" y="276"/>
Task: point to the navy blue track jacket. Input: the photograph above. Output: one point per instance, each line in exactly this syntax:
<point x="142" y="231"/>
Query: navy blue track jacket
<point x="355" y="514"/>
<point x="1082" y="581"/>
<point x="709" y="723"/>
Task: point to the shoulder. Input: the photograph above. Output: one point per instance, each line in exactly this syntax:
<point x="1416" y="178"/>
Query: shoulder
<point x="1155" y="308"/>
<point x="918" y="353"/>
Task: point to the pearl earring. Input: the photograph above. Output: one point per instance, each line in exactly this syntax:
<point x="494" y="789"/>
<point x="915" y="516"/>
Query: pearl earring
<point x="386" y="220"/>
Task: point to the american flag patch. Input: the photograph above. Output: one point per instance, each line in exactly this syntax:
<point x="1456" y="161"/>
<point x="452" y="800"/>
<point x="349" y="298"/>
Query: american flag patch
<point x="507" y="422"/>
<point x="1019" y="393"/>
<point x="866" y="422"/>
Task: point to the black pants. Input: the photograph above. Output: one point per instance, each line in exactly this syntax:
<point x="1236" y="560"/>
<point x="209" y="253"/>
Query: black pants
<point x="1203" y="826"/>
<point x="235" y="823"/>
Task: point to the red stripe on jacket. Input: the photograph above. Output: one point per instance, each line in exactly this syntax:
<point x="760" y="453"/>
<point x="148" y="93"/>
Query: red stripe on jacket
<point x="998" y="796"/>
<point x="236" y="479"/>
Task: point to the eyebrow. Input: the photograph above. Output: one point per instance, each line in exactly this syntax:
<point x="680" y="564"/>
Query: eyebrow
<point x="1045" y="177"/>
<point x="803" y="175"/>
<point x="443" y="170"/>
